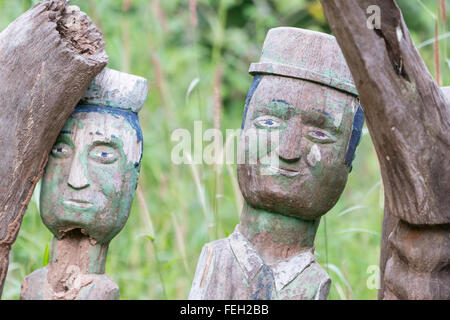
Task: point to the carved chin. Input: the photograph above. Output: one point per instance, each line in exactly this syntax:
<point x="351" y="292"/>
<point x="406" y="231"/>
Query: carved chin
<point x="100" y="226"/>
<point x="61" y="224"/>
<point x="302" y="196"/>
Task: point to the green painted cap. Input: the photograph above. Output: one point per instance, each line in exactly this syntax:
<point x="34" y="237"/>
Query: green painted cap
<point x="307" y="55"/>
<point x="116" y="89"/>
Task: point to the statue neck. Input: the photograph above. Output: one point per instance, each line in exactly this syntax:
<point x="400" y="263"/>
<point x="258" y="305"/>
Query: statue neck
<point x="275" y="236"/>
<point x="75" y="251"/>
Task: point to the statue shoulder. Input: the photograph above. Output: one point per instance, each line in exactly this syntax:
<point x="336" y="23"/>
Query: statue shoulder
<point x="101" y="288"/>
<point x="33" y="284"/>
<point x="214" y="252"/>
<point x="216" y="248"/>
<point x="83" y="287"/>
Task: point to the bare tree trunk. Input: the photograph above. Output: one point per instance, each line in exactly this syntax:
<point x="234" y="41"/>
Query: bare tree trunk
<point x="48" y="57"/>
<point x="408" y="117"/>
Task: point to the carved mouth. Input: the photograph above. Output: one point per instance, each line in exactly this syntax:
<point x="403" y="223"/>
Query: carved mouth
<point x="284" y="171"/>
<point x="78" y="203"/>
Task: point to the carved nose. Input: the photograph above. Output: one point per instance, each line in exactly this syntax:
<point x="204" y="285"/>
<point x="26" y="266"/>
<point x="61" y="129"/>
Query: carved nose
<point x="77" y="176"/>
<point x="290" y="142"/>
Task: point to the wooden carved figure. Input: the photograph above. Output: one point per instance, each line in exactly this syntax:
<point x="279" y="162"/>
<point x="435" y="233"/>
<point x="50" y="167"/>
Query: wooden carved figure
<point x="88" y="187"/>
<point x="304" y="96"/>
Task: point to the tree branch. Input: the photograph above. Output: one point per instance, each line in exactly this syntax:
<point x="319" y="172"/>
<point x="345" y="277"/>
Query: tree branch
<point x="408" y="117"/>
<point x="48" y="57"/>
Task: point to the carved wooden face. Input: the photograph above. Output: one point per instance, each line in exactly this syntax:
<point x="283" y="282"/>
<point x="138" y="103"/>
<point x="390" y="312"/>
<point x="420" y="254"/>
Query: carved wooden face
<point x="307" y="127"/>
<point x="92" y="173"/>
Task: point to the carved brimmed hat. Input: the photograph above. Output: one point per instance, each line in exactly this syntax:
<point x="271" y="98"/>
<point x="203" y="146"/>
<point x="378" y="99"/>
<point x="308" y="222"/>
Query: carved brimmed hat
<point x="306" y="55"/>
<point x="116" y="89"/>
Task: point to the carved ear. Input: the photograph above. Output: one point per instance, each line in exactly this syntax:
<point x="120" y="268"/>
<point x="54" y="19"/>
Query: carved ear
<point x="355" y="138"/>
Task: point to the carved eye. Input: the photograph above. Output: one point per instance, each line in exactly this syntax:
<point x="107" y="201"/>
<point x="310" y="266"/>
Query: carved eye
<point x="104" y="154"/>
<point x="267" y="122"/>
<point x="321" y="136"/>
<point x="61" y="150"/>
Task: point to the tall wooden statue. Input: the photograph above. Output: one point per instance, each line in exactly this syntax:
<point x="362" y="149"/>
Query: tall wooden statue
<point x="303" y="95"/>
<point x="88" y="187"/>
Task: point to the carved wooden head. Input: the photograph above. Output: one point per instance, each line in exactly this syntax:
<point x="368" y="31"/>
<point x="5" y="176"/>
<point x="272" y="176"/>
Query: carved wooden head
<point x="92" y="171"/>
<point x="302" y="102"/>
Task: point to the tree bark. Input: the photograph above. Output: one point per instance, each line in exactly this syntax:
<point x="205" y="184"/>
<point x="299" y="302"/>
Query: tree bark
<point x="48" y="57"/>
<point x="408" y="117"/>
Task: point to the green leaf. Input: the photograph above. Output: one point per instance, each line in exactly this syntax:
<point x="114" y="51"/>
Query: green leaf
<point x="145" y="235"/>
<point x="46" y="255"/>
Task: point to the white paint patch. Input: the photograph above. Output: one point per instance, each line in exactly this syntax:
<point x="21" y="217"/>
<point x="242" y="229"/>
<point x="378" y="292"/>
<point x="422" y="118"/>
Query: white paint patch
<point x="337" y="119"/>
<point x="399" y="34"/>
<point x="314" y="156"/>
<point x="354" y="105"/>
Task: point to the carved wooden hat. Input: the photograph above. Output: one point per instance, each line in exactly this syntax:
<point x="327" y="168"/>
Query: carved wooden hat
<point x="116" y="89"/>
<point x="307" y="55"/>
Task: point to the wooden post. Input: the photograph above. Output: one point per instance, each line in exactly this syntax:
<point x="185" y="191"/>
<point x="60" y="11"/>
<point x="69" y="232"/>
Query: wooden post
<point x="301" y="125"/>
<point x="408" y="117"/>
<point x="88" y="188"/>
<point x="48" y="57"/>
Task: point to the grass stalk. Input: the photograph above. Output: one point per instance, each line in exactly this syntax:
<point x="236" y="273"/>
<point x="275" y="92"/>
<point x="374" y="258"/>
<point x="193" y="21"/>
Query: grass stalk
<point x="181" y="242"/>
<point x="437" y="65"/>
<point x="201" y="196"/>
<point x="150" y="235"/>
<point x="160" y="15"/>
<point x="326" y="241"/>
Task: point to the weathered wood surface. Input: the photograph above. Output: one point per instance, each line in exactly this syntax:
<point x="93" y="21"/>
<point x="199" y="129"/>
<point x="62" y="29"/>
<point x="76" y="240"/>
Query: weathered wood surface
<point x="76" y="271"/>
<point x="88" y="188"/>
<point x="299" y="120"/>
<point x="48" y="57"/>
<point x="408" y="117"/>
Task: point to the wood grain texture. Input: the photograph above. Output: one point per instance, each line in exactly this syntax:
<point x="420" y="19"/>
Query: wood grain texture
<point x="117" y="89"/>
<point x="76" y="271"/>
<point x="233" y="269"/>
<point x="292" y="168"/>
<point x="48" y="57"/>
<point x="408" y="117"/>
<point x="88" y="187"/>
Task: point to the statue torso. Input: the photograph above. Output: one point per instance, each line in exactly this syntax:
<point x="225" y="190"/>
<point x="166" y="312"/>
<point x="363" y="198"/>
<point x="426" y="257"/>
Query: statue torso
<point x="231" y="268"/>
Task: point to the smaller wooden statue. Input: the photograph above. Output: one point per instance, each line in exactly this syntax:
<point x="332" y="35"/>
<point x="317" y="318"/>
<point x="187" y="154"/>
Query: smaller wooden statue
<point x="88" y="188"/>
<point x="303" y="91"/>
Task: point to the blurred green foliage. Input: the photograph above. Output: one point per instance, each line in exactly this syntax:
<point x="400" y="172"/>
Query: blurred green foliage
<point x="198" y="71"/>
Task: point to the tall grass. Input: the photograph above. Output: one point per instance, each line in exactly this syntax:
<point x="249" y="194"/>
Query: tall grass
<point x="196" y="56"/>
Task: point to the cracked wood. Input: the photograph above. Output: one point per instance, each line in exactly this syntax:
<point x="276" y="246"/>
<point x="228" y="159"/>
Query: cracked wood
<point x="48" y="57"/>
<point x="408" y="117"/>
